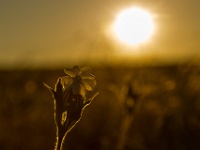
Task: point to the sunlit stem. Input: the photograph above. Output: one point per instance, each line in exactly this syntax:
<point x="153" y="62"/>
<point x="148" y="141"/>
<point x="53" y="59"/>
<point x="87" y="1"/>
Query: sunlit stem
<point x="60" y="139"/>
<point x="59" y="144"/>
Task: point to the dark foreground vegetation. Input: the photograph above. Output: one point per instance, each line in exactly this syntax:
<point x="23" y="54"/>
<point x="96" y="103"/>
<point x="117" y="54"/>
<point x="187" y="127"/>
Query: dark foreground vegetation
<point x="139" y="108"/>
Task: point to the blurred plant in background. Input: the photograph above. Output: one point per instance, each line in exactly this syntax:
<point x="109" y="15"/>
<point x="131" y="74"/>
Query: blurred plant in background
<point x="70" y="99"/>
<point x="130" y="101"/>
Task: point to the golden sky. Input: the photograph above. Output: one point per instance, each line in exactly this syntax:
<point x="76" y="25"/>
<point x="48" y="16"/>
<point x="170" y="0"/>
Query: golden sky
<point x="48" y="33"/>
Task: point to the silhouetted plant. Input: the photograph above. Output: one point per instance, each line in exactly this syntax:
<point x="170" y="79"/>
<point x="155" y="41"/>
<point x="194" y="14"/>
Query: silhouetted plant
<point x="70" y="99"/>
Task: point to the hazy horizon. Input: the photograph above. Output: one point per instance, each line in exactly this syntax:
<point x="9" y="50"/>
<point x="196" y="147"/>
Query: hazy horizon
<point x="51" y="33"/>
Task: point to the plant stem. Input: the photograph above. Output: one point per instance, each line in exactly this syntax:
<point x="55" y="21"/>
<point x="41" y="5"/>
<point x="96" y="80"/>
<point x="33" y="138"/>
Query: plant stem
<point x="125" y="126"/>
<point x="60" y="140"/>
<point x="58" y="144"/>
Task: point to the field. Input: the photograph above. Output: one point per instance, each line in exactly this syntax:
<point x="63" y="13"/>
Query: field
<point x="138" y="108"/>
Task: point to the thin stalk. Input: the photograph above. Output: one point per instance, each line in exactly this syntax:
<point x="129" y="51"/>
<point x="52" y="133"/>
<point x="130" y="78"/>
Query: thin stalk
<point x="60" y="139"/>
<point x="58" y="144"/>
<point x="125" y="126"/>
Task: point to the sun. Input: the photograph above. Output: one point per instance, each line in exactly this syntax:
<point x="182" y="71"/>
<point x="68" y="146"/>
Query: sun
<point x="133" y="26"/>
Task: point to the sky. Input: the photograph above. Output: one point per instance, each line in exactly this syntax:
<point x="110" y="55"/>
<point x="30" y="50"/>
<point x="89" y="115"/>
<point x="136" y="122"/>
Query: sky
<point x="50" y="33"/>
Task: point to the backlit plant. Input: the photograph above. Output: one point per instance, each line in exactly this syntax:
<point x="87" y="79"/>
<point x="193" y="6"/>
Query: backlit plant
<point x="70" y="99"/>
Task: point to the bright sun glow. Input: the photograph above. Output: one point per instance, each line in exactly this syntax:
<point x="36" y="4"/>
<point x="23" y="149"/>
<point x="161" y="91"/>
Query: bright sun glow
<point x="133" y="26"/>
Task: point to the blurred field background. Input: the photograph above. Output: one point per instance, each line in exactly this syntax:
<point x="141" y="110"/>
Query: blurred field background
<point x="146" y="108"/>
<point x="149" y="92"/>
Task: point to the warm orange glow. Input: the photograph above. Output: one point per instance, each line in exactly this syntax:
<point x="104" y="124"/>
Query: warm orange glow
<point x="133" y="26"/>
